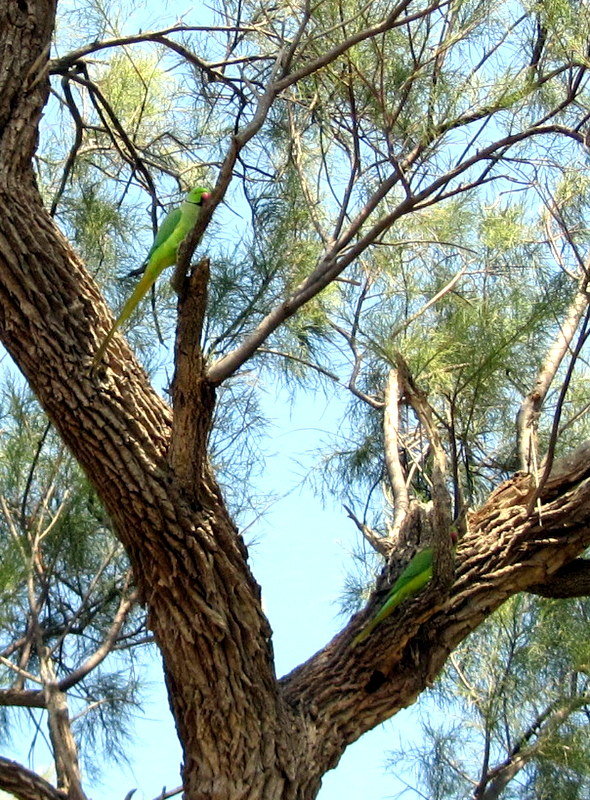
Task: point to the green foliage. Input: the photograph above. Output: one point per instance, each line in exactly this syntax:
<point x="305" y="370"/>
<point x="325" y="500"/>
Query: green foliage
<point x="139" y="91"/>
<point x="56" y="547"/>
<point x="107" y="727"/>
<point x="469" y="267"/>
<point x="518" y="687"/>
<point x="503" y="229"/>
<point x="102" y="233"/>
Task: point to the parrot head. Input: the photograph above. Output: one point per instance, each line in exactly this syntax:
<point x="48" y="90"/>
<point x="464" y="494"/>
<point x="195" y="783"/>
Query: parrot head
<point x="198" y="195"/>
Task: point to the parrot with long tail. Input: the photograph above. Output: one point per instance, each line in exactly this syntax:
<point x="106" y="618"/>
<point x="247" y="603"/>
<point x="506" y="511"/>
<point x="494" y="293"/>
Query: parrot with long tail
<point x="163" y="253"/>
<point x="412" y="580"/>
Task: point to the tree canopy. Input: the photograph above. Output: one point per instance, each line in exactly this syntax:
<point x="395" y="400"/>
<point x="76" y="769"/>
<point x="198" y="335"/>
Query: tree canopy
<point x="398" y="217"/>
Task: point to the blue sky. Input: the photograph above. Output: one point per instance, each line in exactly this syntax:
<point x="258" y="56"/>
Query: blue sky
<point x="300" y="556"/>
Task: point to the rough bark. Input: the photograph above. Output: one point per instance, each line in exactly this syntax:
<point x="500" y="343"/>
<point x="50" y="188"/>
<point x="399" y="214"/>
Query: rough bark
<point x="26" y="785"/>
<point x="189" y="561"/>
<point x="244" y="734"/>
<point x="572" y="580"/>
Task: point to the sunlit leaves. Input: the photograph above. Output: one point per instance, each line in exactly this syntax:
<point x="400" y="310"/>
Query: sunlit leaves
<point x="60" y="566"/>
<point x="514" y="694"/>
<point x="140" y="92"/>
<point x="430" y="158"/>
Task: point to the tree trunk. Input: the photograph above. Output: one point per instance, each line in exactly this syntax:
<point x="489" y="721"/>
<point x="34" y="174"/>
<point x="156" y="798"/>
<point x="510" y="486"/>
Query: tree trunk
<point x="244" y="734"/>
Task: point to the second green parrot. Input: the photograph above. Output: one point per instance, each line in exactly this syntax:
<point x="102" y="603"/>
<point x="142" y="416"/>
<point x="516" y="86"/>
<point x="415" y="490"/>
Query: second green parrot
<point x="173" y="230"/>
<point x="412" y="580"/>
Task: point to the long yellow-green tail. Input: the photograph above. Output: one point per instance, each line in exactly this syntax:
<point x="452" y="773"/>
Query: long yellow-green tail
<point x="171" y="232"/>
<point x="149" y="276"/>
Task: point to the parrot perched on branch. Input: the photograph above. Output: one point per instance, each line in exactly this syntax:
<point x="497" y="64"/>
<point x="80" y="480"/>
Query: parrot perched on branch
<point x="412" y="580"/>
<point x="173" y="230"/>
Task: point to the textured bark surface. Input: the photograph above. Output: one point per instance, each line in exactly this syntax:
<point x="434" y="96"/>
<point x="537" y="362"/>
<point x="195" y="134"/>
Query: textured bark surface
<point x="244" y="734"/>
<point x="26" y="785"/>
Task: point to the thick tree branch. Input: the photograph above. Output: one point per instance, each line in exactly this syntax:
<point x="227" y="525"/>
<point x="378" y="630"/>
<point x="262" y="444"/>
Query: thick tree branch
<point x="441" y="501"/>
<point x="504" y="551"/>
<point x="241" y="732"/>
<point x="192" y="397"/>
<point x="572" y="580"/>
<point x="25" y="698"/>
<point x="65" y="751"/>
<point x="26" y="785"/>
<point x="189" y="561"/>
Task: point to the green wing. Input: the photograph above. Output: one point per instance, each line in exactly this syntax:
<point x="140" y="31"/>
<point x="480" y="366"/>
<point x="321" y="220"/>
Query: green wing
<point x="166" y="229"/>
<point x="422" y="561"/>
<point x="163" y="251"/>
<point x="414" y="578"/>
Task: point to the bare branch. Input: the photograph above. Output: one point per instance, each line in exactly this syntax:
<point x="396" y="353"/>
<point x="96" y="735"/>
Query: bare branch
<point x="65" y="751"/>
<point x="164" y="795"/>
<point x="397" y="479"/>
<point x="542" y="479"/>
<point x="84" y="605"/>
<point x="291" y="357"/>
<point x="107" y="645"/>
<point x="381" y="544"/>
<point x="111" y="121"/>
<point x="76" y="144"/>
<point x="530" y="409"/>
<point x="393" y="20"/>
<point x="433" y="300"/>
<point x="207" y="69"/>
<point x="22" y="673"/>
<point x="492" y="785"/>
<point x="64" y="63"/>
<point x="342" y="253"/>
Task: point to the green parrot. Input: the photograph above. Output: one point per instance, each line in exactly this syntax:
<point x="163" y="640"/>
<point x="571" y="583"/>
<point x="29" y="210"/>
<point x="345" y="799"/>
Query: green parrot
<point x="412" y="580"/>
<point x="173" y="230"/>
